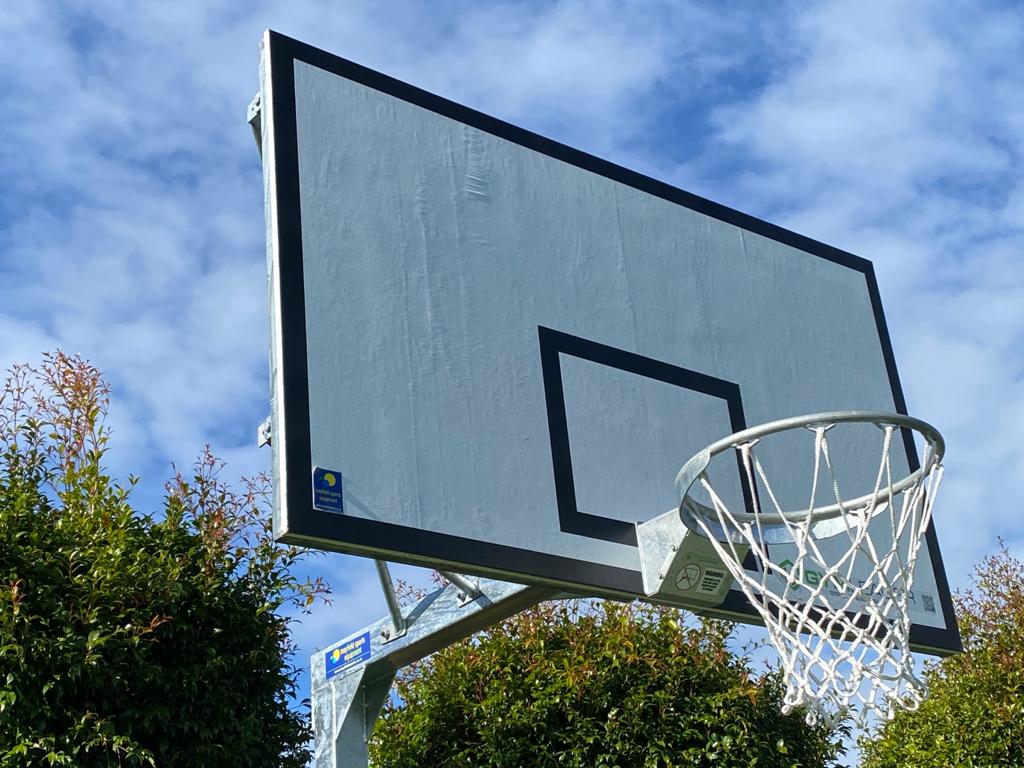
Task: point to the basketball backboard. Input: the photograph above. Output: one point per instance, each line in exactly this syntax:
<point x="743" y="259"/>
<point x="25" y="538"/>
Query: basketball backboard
<point x="492" y="353"/>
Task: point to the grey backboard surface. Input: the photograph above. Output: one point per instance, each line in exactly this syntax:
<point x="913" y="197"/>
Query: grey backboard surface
<point x="492" y="352"/>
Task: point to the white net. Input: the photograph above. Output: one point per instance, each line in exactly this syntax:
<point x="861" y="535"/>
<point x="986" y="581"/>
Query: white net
<point x="840" y="624"/>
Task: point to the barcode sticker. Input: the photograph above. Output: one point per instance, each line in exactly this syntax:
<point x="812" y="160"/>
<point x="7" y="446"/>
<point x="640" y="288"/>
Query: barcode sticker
<point x="711" y="582"/>
<point x="928" y="602"/>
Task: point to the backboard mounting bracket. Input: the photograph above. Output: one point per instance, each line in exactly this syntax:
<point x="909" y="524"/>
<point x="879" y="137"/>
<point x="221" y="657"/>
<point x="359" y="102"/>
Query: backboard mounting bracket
<point x="264" y="433"/>
<point x="254" y="117"/>
<point x="680" y="564"/>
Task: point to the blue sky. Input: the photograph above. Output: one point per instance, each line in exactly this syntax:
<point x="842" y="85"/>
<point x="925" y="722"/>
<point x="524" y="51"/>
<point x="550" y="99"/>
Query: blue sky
<point x="131" y="216"/>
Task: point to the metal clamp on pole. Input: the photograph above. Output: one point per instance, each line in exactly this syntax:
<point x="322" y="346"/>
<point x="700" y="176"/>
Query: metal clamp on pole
<point x="263" y="433"/>
<point x="398" y="623"/>
<point x="253" y="116"/>
<point x="469" y="588"/>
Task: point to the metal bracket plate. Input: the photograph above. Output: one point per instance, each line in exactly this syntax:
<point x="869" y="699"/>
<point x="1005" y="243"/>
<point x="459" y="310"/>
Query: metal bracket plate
<point x="263" y="433"/>
<point x="254" y="117"/>
<point x="679" y="563"/>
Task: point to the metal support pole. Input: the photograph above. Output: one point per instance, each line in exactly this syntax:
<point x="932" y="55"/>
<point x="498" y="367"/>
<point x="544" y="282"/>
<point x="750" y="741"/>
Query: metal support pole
<point x="398" y="622"/>
<point x="356" y="702"/>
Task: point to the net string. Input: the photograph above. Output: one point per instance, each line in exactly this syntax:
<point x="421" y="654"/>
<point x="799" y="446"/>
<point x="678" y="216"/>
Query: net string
<point x="833" y="666"/>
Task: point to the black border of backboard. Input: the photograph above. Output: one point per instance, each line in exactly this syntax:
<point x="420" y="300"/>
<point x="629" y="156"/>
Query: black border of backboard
<point x="310" y="527"/>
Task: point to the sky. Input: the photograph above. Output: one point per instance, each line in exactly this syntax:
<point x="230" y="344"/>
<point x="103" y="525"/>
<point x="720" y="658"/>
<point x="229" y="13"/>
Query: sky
<point x="131" y="208"/>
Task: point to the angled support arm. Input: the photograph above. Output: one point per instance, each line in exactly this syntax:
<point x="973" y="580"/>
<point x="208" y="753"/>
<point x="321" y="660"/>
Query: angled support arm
<point x="351" y="678"/>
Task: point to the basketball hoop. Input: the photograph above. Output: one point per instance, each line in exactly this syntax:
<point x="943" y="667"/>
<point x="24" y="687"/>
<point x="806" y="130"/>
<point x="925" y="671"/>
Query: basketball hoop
<point x="842" y="637"/>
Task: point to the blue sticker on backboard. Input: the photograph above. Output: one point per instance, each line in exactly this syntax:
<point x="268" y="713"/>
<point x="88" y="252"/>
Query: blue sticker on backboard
<point x="327" y="490"/>
<point x="350" y="652"/>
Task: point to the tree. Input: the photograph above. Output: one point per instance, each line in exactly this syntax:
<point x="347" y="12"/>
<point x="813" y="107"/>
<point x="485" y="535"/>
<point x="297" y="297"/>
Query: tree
<point x="589" y="685"/>
<point x="128" y="639"/>
<point x="974" y="712"/>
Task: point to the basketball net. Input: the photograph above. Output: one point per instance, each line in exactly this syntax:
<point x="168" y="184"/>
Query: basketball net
<point x="843" y="634"/>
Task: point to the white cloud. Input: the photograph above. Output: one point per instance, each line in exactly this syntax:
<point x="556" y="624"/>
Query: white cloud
<point x="22" y="341"/>
<point x="881" y="100"/>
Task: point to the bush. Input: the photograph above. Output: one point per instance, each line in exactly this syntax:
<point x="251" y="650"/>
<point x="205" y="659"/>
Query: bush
<point x="973" y="715"/>
<point x="126" y="639"/>
<point x="575" y="684"/>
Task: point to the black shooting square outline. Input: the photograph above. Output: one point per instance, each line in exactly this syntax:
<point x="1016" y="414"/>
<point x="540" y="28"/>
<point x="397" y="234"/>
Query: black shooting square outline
<point x="554" y="343"/>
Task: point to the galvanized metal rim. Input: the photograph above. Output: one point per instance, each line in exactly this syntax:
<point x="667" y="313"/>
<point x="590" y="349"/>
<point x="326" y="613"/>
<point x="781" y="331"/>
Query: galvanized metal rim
<point x="695" y="467"/>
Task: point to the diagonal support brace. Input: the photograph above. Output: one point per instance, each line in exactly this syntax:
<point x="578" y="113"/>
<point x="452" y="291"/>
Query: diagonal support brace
<point x="398" y="622"/>
<point x="470" y="588"/>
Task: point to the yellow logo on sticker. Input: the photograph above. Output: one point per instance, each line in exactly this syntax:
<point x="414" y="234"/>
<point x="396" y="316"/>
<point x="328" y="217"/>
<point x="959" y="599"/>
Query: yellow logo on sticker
<point x="330" y="479"/>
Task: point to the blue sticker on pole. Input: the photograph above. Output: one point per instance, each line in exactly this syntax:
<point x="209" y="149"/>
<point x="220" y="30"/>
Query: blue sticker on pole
<point x="349" y="653"/>
<point x="327" y="490"/>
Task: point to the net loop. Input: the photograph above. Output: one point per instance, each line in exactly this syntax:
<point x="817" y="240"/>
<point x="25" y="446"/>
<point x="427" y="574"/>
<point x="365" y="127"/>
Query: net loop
<point x="842" y="638"/>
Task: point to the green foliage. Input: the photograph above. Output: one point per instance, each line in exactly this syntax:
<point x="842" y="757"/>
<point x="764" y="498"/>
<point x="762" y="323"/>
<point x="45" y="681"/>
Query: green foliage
<point x="570" y="684"/>
<point x="973" y="715"/>
<point x="131" y="640"/>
